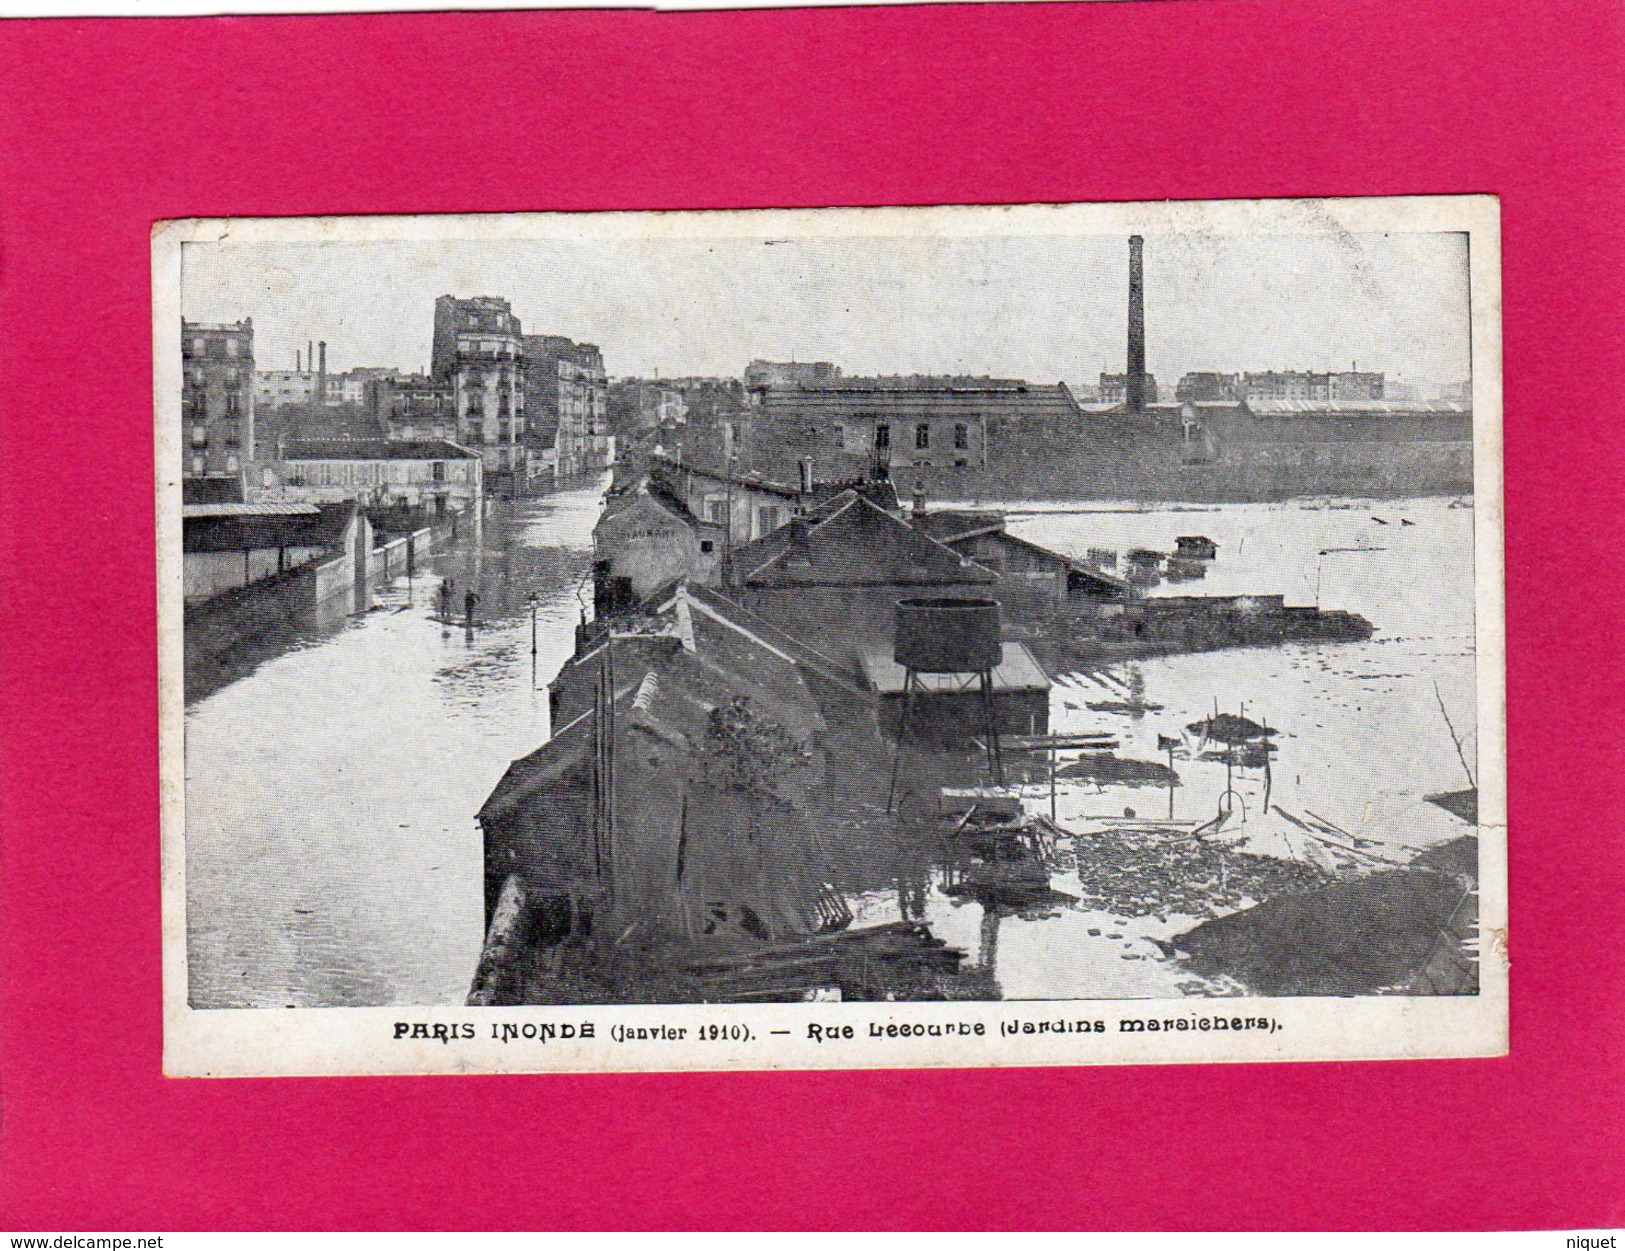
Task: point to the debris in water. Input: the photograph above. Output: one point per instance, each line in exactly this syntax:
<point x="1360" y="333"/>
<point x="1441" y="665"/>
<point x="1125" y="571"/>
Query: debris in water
<point x="1111" y="770"/>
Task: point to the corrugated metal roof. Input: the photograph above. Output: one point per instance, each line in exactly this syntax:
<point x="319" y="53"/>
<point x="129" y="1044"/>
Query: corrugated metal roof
<point x="376" y="449"/>
<point x="248" y="510"/>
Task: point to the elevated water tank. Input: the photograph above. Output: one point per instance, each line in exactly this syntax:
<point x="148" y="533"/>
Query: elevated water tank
<point x="948" y="635"/>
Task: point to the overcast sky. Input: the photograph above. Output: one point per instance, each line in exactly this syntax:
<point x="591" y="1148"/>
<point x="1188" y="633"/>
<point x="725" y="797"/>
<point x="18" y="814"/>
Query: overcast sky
<point x="1041" y="308"/>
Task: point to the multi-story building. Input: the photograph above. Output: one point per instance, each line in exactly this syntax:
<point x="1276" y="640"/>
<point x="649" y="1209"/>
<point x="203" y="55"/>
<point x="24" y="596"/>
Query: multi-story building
<point x="479" y="349"/>
<point x="302" y="388"/>
<point x="217" y="396"/>
<point x="1114" y="389"/>
<point x="856" y="426"/>
<point x="1295" y="384"/>
<point x="416" y="406"/>
<point x="431" y="474"/>
<point x="567" y="402"/>
<point x="789" y="373"/>
<point x="1356" y="385"/>
<point x="1291" y="384"/>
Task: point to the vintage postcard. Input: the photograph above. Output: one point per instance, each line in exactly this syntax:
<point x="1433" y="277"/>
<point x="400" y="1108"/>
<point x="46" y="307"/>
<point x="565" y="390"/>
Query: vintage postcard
<point x="963" y="636"/>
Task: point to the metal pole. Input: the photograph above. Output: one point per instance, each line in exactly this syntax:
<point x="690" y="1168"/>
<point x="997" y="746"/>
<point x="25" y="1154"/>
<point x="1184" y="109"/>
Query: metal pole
<point x="1052" y="778"/>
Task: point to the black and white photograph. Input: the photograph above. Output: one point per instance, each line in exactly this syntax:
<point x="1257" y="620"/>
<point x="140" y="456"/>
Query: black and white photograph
<point x="842" y="637"/>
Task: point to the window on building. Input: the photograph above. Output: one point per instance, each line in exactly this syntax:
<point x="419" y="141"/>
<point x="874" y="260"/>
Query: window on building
<point x="717" y="511"/>
<point x="439" y="471"/>
<point x="882" y="435"/>
<point x="197" y="464"/>
<point x="231" y="347"/>
<point x="961" y="436"/>
<point x="200" y="436"/>
<point x="707" y="546"/>
<point x="231" y="462"/>
<point x="922" y="435"/>
<point x="767" y="519"/>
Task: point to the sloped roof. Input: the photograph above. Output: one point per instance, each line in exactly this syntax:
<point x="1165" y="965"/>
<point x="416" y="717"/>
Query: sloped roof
<point x="849" y="541"/>
<point x="720" y="475"/>
<point x="880" y="491"/>
<point x="648" y="489"/>
<point x="1073" y="565"/>
<point x="950" y="524"/>
<point x="205" y="528"/>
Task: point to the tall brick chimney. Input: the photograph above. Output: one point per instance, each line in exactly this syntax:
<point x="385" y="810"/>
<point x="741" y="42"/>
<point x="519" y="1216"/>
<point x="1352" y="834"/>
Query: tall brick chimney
<point x="1135" y="389"/>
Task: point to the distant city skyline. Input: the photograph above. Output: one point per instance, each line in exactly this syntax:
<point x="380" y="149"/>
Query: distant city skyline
<point x="1042" y="308"/>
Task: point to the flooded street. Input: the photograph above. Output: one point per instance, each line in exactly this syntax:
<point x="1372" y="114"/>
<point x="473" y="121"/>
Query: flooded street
<point x="332" y="852"/>
<point x="333" y="855"/>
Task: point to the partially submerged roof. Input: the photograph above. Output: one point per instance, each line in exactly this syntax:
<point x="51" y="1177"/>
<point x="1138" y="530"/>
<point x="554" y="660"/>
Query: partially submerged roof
<point x="1017" y="671"/>
<point x="1074" y="567"/>
<point x="850" y="541"/>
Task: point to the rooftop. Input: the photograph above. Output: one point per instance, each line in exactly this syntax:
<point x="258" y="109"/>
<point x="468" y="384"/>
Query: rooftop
<point x="884" y="398"/>
<point x="850" y="541"/>
<point x="1017" y="671"/>
<point x="257" y="527"/>
<point x="189" y="511"/>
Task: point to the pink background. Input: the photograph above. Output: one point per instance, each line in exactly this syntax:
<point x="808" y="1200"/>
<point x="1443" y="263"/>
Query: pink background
<point x="106" y="126"/>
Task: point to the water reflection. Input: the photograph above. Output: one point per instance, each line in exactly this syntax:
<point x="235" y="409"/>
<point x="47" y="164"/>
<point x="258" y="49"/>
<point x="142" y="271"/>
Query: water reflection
<point x="333" y="773"/>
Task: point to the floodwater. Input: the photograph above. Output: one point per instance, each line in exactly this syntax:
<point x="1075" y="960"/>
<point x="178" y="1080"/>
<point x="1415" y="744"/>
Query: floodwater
<point x="332" y="853"/>
<point x="1362" y="738"/>
<point x="333" y="857"/>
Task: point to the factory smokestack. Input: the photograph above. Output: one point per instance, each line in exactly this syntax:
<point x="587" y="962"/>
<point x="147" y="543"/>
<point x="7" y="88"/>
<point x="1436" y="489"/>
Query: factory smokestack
<point x="1135" y="382"/>
<point x="322" y="348"/>
<point x="310" y="356"/>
